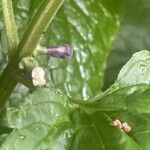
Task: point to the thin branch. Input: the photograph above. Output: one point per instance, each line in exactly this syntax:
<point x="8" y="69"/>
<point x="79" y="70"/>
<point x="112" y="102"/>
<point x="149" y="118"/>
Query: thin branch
<point x="10" y="26"/>
<point x="42" y="18"/>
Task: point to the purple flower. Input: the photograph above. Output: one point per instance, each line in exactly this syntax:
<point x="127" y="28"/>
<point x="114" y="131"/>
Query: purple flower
<point x="62" y="51"/>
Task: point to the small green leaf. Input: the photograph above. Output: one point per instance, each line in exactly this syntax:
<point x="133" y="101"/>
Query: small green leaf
<point x="136" y="70"/>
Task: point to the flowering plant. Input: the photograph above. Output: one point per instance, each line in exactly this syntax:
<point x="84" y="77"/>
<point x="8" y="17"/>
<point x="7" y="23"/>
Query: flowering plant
<point x="52" y="76"/>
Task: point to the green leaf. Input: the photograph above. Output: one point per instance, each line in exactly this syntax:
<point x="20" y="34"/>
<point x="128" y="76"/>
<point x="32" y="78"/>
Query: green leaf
<point x="2" y="138"/>
<point x="89" y="27"/>
<point x="128" y="102"/>
<point x="43" y="121"/>
<point x="135" y="71"/>
<point x="46" y="101"/>
<point x="90" y="35"/>
<point x="43" y="118"/>
<point x="101" y="135"/>
<point x="49" y="120"/>
<point x="133" y="109"/>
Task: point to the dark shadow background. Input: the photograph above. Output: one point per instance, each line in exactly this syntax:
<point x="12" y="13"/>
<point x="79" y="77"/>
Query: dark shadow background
<point x="133" y="36"/>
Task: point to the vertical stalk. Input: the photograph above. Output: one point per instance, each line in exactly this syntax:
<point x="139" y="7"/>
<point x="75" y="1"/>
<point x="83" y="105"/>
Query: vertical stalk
<point x="10" y="26"/>
<point x="40" y="21"/>
<point x="7" y="83"/>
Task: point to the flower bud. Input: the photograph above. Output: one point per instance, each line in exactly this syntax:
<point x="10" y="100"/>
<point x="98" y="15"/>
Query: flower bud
<point x="117" y="123"/>
<point x="62" y="51"/>
<point x="38" y="76"/>
<point x="32" y="72"/>
<point x="126" y="127"/>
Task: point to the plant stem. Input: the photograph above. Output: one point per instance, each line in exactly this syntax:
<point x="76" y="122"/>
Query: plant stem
<point x="42" y="18"/>
<point x="10" y="26"/>
<point x="22" y="78"/>
<point x="7" y="83"/>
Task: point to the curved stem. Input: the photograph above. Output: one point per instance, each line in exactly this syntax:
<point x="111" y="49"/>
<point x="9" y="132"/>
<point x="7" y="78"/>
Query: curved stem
<point x="42" y="18"/>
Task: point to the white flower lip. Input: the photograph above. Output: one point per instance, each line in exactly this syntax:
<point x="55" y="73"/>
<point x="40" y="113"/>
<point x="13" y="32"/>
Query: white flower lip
<point x="38" y="76"/>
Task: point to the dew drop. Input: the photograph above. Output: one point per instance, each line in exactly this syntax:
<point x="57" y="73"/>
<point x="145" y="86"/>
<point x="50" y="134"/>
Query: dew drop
<point x="82" y="71"/>
<point x="56" y="92"/>
<point x="38" y="128"/>
<point x="143" y="69"/>
<point x="22" y="137"/>
<point x="68" y="134"/>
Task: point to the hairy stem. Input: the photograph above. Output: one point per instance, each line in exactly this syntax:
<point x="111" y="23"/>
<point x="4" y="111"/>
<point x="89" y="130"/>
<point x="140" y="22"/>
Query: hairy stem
<point x="7" y="83"/>
<point x="40" y="21"/>
<point x="10" y="26"/>
<point x="43" y="17"/>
